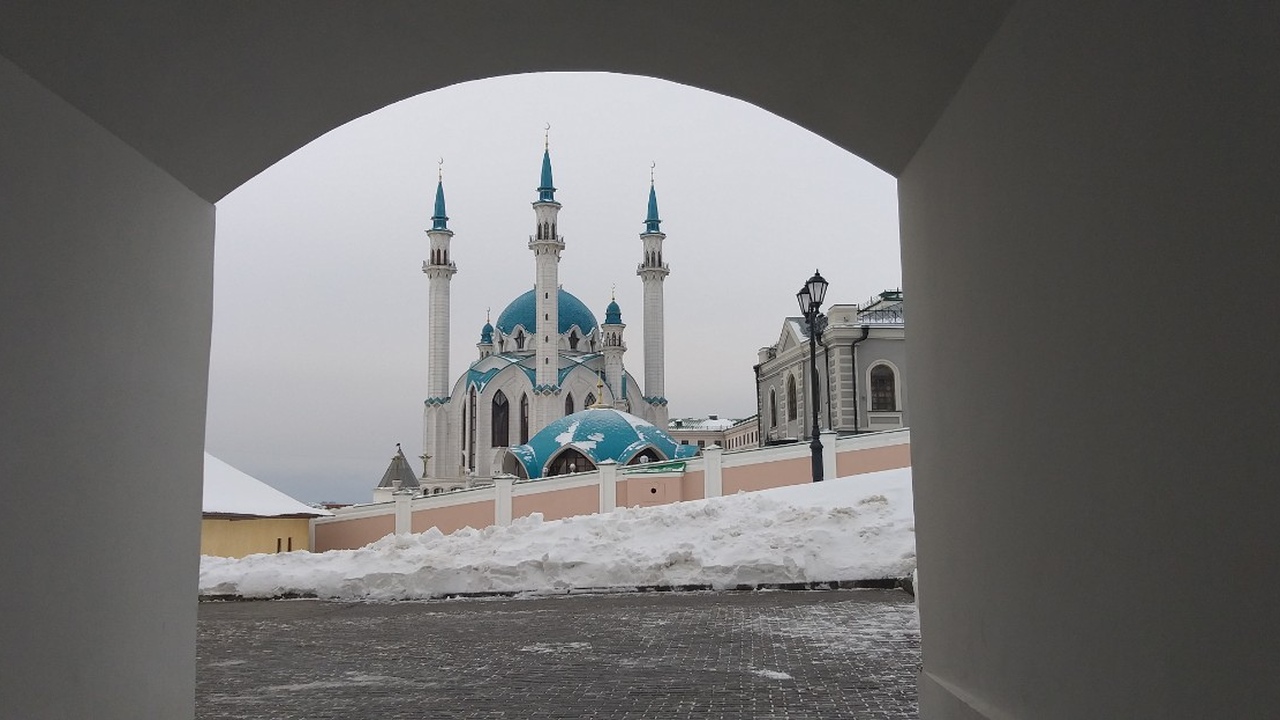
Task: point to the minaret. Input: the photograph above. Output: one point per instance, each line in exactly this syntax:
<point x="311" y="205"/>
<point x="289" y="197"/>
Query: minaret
<point x="439" y="270"/>
<point x="614" y="347"/>
<point x="652" y="272"/>
<point x="485" y="346"/>
<point x="546" y="245"/>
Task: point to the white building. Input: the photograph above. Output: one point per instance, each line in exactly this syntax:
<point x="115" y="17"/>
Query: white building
<point x="545" y="358"/>
<point x="861" y="360"/>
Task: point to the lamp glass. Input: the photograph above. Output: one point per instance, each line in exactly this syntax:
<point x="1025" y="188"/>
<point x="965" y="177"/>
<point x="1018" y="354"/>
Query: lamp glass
<point x="803" y="299"/>
<point x="817" y="287"/>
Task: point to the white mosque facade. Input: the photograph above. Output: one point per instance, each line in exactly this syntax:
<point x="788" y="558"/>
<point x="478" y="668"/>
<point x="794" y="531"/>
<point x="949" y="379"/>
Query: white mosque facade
<point x="544" y="360"/>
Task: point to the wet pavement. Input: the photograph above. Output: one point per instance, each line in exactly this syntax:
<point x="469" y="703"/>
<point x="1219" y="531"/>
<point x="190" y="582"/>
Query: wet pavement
<point x="815" y="654"/>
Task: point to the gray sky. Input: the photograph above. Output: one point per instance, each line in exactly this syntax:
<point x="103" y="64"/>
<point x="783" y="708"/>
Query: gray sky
<point x="319" y="352"/>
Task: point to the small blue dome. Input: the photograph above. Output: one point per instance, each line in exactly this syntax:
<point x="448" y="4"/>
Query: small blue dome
<point x="600" y="434"/>
<point x="486" y="333"/>
<point x="524" y="311"/>
<point x="613" y="314"/>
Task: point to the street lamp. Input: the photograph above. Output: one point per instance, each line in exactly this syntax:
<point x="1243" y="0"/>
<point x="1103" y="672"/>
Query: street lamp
<point x="810" y="299"/>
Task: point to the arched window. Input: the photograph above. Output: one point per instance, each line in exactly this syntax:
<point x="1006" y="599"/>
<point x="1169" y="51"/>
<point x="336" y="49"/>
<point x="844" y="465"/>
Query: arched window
<point x="570" y="461"/>
<point x="471" y="438"/>
<point x="501" y="420"/>
<point x="591" y="400"/>
<point x="519" y="339"/>
<point x="524" y="418"/>
<point x="884" y="392"/>
<point x="791" y="398"/>
<point x="437" y="491"/>
<point x="773" y="409"/>
<point x="568" y="404"/>
<point x="648" y="455"/>
<point x="573" y="340"/>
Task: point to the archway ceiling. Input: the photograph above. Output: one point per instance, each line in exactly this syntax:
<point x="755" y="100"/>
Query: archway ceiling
<point x="215" y="92"/>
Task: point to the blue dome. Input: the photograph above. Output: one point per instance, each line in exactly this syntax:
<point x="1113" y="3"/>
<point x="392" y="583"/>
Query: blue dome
<point x="486" y="334"/>
<point x="613" y="314"/>
<point x="600" y="434"/>
<point x="523" y="311"/>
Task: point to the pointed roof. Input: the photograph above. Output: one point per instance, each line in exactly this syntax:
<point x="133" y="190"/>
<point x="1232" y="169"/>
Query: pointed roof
<point x="440" y="221"/>
<point x="486" y="333"/>
<point x="399" y="468"/>
<point x="231" y="492"/>
<point x="651" y="222"/>
<point x="547" y="189"/>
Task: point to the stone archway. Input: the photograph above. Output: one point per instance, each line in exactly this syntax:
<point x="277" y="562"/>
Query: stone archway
<point x="1070" y="176"/>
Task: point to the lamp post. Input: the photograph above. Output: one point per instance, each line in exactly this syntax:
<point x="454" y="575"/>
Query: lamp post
<point x="810" y="299"/>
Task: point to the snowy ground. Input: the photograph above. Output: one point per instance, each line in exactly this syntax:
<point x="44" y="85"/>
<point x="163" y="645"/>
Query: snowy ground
<point x="853" y="528"/>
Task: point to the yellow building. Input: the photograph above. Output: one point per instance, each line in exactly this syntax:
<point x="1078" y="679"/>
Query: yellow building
<point x="243" y="515"/>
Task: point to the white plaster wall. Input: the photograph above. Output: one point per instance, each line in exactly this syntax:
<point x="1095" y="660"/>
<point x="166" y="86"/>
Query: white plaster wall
<point x="1098" y="541"/>
<point x="438" y="320"/>
<point x="106" y="270"/>
<point x="654" y="351"/>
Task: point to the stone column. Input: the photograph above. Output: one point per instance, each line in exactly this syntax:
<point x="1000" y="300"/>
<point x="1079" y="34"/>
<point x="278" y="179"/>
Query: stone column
<point x="404" y="510"/>
<point x="712" y="467"/>
<point x="608" y="486"/>
<point x="828" y="438"/>
<point x="502" y="499"/>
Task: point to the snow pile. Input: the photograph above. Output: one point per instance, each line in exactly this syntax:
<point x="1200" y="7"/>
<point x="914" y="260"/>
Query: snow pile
<point x="228" y="491"/>
<point x="853" y="528"/>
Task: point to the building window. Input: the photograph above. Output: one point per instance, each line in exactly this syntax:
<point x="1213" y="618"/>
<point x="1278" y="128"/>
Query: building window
<point x="519" y="341"/>
<point x="524" y="418"/>
<point x="568" y="404"/>
<point x="884" y="394"/>
<point x="570" y="461"/>
<point x="591" y="400"/>
<point x="573" y="340"/>
<point x="773" y="409"/>
<point x="501" y="420"/>
<point x="471" y="438"/>
<point x="791" y="398"/>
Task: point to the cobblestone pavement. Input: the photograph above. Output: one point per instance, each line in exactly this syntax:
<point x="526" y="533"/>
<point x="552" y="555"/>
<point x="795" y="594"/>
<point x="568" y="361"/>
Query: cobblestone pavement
<point x="840" y="654"/>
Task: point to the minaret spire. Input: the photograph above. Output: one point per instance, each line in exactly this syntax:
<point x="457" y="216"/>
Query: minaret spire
<point x="439" y="270"/>
<point x="653" y="271"/>
<point x="652" y="221"/>
<point x="546" y="188"/>
<point x="546" y="244"/>
<point x="439" y="220"/>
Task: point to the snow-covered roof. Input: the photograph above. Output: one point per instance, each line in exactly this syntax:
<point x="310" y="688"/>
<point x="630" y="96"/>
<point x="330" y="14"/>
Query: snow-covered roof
<point x="600" y="434"/>
<point x="228" y="491"/>
<point x="708" y="423"/>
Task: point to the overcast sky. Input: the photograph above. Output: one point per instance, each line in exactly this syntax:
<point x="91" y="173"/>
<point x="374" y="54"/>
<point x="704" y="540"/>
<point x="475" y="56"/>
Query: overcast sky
<point x="318" y="365"/>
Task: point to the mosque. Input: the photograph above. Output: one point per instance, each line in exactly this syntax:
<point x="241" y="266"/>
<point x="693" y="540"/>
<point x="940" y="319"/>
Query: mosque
<point x="549" y="392"/>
